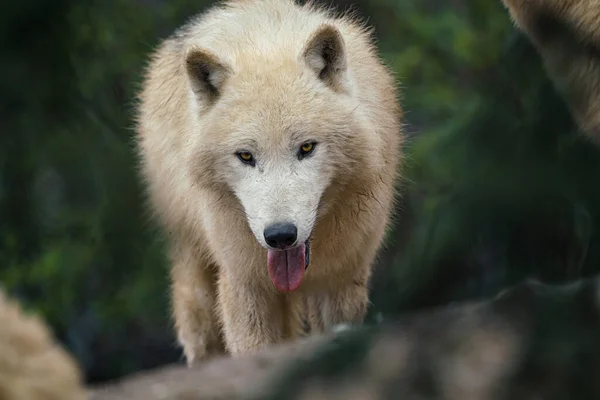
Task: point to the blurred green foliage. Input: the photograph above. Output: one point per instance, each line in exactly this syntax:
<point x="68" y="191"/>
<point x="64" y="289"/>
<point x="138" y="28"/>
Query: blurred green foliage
<point x="497" y="184"/>
<point x="506" y="193"/>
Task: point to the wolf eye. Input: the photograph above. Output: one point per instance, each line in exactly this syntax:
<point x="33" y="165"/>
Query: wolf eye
<point x="246" y="157"/>
<point x="306" y="149"/>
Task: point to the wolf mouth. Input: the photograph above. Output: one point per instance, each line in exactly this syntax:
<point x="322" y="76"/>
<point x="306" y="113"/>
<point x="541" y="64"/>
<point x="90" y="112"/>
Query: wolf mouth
<point x="287" y="267"/>
<point x="306" y="253"/>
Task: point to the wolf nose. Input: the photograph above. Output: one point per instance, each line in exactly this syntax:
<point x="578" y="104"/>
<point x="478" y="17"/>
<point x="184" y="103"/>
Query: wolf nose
<point x="281" y="235"/>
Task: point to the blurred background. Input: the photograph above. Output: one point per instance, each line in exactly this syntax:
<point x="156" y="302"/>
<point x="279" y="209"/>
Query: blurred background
<point x="499" y="186"/>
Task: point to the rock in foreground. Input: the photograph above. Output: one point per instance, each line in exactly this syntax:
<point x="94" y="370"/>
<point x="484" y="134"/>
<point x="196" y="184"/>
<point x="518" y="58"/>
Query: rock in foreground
<point x="533" y="341"/>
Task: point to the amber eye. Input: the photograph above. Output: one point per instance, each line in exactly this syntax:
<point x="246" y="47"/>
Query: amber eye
<point x="246" y="157"/>
<point x="306" y="149"/>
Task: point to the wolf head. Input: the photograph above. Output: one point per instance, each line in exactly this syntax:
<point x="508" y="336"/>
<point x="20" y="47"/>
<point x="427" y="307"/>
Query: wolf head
<point x="277" y="130"/>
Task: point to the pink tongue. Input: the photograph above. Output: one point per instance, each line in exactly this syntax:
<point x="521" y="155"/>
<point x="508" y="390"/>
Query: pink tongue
<point x="286" y="268"/>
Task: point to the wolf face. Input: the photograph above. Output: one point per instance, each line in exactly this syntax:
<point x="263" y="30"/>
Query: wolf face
<point x="275" y="137"/>
<point x="281" y="184"/>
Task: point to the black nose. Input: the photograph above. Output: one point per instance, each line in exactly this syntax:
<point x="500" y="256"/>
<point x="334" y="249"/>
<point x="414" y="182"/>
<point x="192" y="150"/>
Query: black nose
<point x="281" y="235"/>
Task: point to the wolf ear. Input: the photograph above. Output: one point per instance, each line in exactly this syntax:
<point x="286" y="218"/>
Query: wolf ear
<point x="207" y="74"/>
<point x="325" y="54"/>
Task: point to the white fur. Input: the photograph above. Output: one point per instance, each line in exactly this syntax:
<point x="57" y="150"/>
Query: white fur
<point x="265" y="95"/>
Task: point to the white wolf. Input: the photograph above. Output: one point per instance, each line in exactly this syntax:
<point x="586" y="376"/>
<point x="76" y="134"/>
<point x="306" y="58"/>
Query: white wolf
<point x="269" y="135"/>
